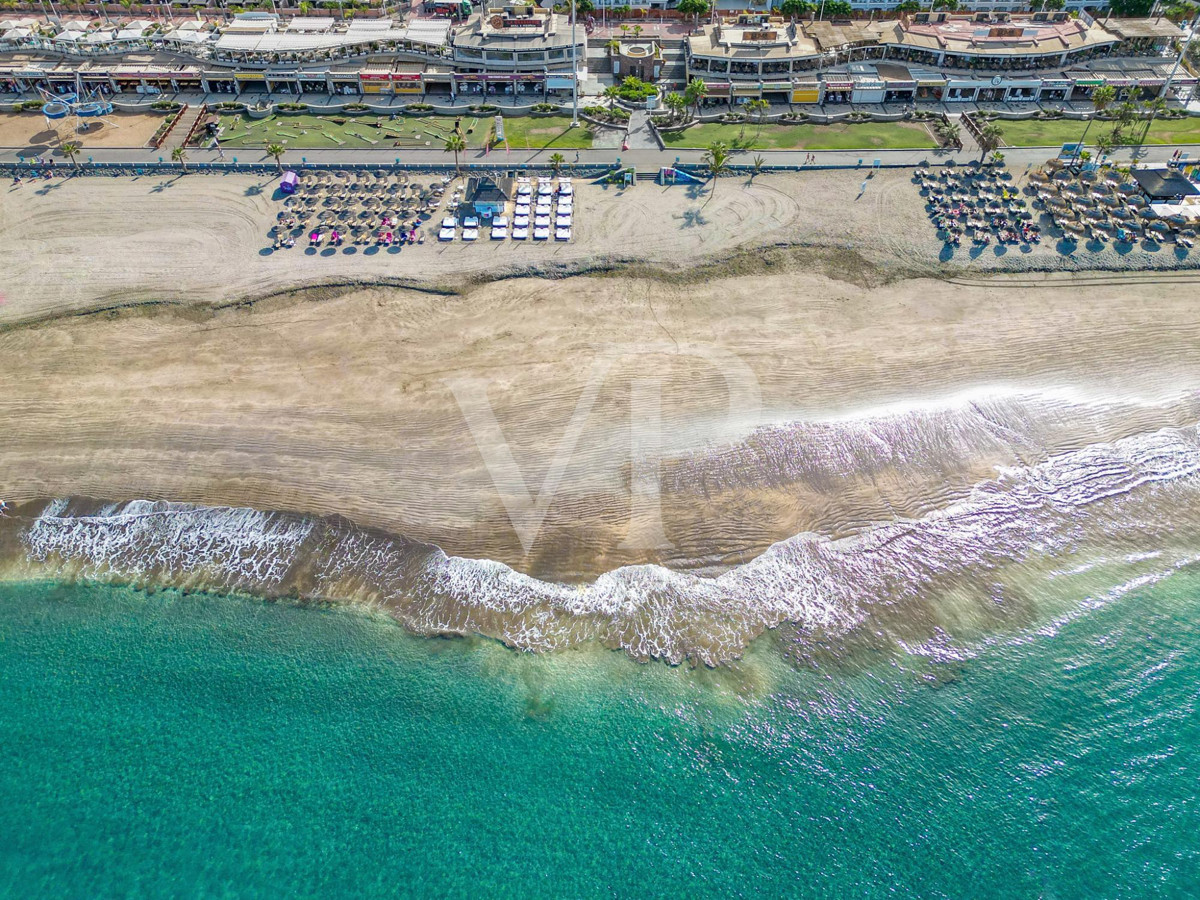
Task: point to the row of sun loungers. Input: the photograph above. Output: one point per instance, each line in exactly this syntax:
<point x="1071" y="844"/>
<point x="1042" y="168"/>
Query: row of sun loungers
<point x="539" y="212"/>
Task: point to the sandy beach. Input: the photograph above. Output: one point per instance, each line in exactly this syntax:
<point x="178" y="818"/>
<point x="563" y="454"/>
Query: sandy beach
<point x="78" y="244"/>
<point x="690" y="382"/>
<point x="341" y="401"/>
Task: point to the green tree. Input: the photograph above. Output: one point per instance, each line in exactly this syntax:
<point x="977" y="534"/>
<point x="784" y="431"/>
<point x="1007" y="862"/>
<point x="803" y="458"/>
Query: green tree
<point x="695" y="92"/>
<point x="456" y="145"/>
<point x="757" y="165"/>
<point x="948" y="5"/>
<point x="613" y="47"/>
<point x="69" y="149"/>
<point x="758" y="108"/>
<point x="1154" y="107"/>
<point x="693" y="8"/>
<point x="795" y="9"/>
<point x="676" y="103"/>
<point x="557" y="161"/>
<point x="716" y="160"/>
<point x="1102" y="98"/>
<point x="1133" y="9"/>
<point x="908" y="6"/>
<point x="276" y="151"/>
<point x="1053" y="4"/>
<point x="179" y="155"/>
<point x="990" y="138"/>
<point x="611" y="93"/>
<point x="838" y="9"/>
<point x="1105" y="144"/>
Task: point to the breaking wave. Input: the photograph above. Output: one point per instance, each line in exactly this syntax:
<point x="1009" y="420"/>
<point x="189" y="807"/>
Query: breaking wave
<point x="950" y="573"/>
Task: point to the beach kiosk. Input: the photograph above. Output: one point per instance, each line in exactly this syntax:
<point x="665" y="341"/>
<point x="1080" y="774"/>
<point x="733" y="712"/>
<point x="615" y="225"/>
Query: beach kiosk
<point x="289" y="182"/>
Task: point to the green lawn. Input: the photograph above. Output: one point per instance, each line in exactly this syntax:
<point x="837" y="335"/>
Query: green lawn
<point x="310" y="132"/>
<point x="1056" y="132"/>
<point x="550" y="132"/>
<point x="857" y="136"/>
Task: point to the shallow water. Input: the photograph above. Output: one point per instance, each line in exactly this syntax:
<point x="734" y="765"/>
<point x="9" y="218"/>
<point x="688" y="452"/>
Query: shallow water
<point x="200" y="745"/>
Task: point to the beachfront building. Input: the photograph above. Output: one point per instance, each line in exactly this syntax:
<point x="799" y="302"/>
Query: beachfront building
<point x="515" y="51"/>
<point x="975" y="57"/>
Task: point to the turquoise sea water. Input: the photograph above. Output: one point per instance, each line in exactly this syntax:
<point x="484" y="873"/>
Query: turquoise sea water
<point x="193" y="745"/>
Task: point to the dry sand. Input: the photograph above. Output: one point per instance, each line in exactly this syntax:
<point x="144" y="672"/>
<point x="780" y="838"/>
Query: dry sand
<point x="80" y="243"/>
<point x="30" y="132"/>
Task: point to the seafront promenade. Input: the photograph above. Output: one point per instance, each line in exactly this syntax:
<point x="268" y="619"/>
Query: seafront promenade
<point x="642" y="160"/>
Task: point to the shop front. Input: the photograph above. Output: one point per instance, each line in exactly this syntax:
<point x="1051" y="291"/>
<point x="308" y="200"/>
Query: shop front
<point x="312" y="84"/>
<point x="777" y="91"/>
<point x="283" y="82"/>
<point x="376" y="82"/>
<point x="1022" y="91"/>
<point x="1084" y="87"/>
<point x="806" y="92"/>
<point x="1054" y="89"/>
<point x="930" y="88"/>
<point x="867" y="90"/>
<point x="407" y="83"/>
<point x="560" y="84"/>
<point x="250" y="81"/>
<point x="838" y="90"/>
<point x="345" y="85"/>
<point x="899" y="91"/>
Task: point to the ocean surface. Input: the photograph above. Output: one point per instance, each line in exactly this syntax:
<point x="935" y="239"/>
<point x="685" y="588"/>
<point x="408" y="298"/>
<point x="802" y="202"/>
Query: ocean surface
<point x="198" y="745"/>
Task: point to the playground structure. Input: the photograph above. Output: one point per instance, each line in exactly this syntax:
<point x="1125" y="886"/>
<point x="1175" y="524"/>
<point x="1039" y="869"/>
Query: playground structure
<point x="81" y="108"/>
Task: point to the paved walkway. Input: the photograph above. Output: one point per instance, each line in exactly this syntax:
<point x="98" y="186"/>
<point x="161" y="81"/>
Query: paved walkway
<point x="641" y="135"/>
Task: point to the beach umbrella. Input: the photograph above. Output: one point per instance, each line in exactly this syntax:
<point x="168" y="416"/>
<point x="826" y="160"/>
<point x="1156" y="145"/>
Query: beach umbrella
<point x="1178" y="220"/>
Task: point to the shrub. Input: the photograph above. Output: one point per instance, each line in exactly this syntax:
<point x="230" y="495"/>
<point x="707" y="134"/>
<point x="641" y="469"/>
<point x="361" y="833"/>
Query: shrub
<point x="356" y="107"/>
<point x="545" y="107"/>
<point x="292" y="107"/>
<point x="419" y="107"/>
<point x="634" y="90"/>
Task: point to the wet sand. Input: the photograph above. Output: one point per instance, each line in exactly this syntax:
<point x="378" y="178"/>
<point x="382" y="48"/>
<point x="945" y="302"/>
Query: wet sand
<point x="346" y="405"/>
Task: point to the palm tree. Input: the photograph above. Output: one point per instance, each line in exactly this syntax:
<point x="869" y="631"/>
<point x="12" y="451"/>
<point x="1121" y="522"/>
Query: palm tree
<point x="716" y="159"/>
<point x="1102" y="98"/>
<point x="758" y="108"/>
<point x="637" y="31"/>
<point x="611" y="93"/>
<point x="1154" y="107"/>
<point x="613" y="47"/>
<point x="1105" y="144"/>
<point x="694" y="93"/>
<point x="949" y="132"/>
<point x="557" y="161"/>
<point x="179" y="155"/>
<point x="758" y="165"/>
<point x="676" y="103"/>
<point x="69" y="149"/>
<point x="455" y="144"/>
<point x="990" y="138"/>
<point x="276" y="151"/>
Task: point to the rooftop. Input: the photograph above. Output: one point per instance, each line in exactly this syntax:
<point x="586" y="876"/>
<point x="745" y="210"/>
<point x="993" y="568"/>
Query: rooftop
<point x="1164" y="183"/>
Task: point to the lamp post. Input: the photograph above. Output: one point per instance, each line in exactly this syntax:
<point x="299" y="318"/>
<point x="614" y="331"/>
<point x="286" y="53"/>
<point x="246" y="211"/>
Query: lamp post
<point x="574" y="72"/>
<point x="1178" y="62"/>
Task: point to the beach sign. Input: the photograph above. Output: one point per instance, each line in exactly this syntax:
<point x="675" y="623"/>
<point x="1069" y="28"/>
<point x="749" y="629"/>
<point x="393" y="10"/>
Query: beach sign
<point x="1070" y="151"/>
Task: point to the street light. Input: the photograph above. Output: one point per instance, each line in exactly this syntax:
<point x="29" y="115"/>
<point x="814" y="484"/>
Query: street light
<point x="574" y="72"/>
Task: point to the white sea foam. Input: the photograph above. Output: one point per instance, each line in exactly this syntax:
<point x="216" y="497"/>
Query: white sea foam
<point x="814" y="582"/>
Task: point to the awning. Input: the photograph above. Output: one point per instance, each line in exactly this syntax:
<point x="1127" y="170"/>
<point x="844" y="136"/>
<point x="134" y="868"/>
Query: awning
<point x="931" y="82"/>
<point x="1089" y="82"/>
<point x="839" y="85"/>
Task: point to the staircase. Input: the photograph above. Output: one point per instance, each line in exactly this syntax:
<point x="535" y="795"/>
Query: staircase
<point x="183" y="128"/>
